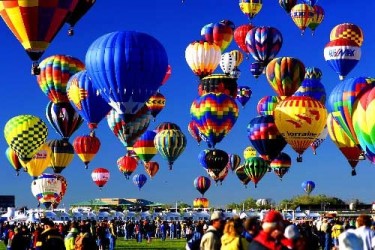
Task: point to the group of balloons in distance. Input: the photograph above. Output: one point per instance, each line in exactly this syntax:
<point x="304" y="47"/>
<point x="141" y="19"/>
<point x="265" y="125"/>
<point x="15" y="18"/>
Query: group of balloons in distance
<point x="129" y="97"/>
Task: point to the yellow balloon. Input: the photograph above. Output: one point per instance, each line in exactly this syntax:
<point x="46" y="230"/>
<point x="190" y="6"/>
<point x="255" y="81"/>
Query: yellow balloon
<point x="300" y="120"/>
<point x="249" y="152"/>
<point x="39" y="162"/>
<point x="238" y="57"/>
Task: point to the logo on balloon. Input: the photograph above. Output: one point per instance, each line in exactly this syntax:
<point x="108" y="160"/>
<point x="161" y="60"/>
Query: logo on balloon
<point x="341" y="52"/>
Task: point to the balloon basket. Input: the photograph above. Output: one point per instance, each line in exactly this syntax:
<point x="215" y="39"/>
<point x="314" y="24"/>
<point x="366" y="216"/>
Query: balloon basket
<point x="299" y="158"/>
<point x="71" y="31"/>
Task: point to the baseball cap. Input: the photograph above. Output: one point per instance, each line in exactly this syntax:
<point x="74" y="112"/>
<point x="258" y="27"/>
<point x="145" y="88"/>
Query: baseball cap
<point x="273" y="216"/>
<point x="217" y="215"/>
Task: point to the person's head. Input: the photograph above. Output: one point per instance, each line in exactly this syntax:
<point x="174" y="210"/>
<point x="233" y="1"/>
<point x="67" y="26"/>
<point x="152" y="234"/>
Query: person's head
<point x="291" y="232"/>
<point x="252" y="224"/>
<point x="218" y="220"/>
<point x="47" y="223"/>
<point x="363" y="220"/>
<point x="273" y="220"/>
<point x="348" y="240"/>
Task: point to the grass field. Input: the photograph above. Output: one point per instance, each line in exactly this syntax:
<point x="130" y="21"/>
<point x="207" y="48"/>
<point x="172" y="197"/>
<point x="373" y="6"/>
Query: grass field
<point x="132" y="244"/>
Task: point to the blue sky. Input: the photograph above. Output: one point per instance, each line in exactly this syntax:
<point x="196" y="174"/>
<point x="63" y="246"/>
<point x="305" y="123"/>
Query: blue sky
<point x="175" y="25"/>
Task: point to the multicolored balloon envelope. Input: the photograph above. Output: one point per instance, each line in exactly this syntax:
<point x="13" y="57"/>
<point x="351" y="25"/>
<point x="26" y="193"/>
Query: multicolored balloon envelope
<point x="100" y="176"/>
<point x="216" y="160"/>
<point x="155" y="104"/>
<point x="249" y="152"/>
<point x="347" y="31"/>
<point x="243" y="94"/>
<point x="218" y="83"/>
<point x="55" y="72"/>
<point x="313" y="73"/>
<point x="127" y="165"/>
<point x="251" y="7"/>
<point x="302" y="15"/>
<point x="240" y="36"/>
<point x="241" y="175"/>
<point x="255" y="168"/>
<point x="144" y="147"/>
<point x="220" y="33"/>
<point x="201" y="202"/>
<point x="267" y="104"/>
<point x="308" y="186"/>
<point x="281" y="164"/>
<point x="46" y="188"/>
<point x="62" y="154"/>
<point x="166" y="125"/>
<point x="86" y="147"/>
<point x="215" y="115"/>
<point x="85" y="99"/>
<point x="13" y="160"/>
<point x="25" y="134"/>
<point x="234" y="161"/>
<point x="40" y="161"/>
<point x="139" y="180"/>
<point x="317" y="18"/>
<point x="128" y="73"/>
<point x="194" y="132"/>
<point x="151" y="168"/>
<point x="78" y="12"/>
<point x="287" y="5"/>
<point x="313" y="88"/>
<point x="300" y="120"/>
<point x="202" y="184"/>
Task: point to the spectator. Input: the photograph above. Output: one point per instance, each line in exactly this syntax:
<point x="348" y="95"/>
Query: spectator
<point x="363" y="224"/>
<point x="232" y="238"/>
<point x="211" y="240"/>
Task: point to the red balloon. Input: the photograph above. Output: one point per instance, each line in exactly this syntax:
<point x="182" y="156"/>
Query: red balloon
<point x="100" y="176"/>
<point x="86" y="147"/>
<point x="127" y="165"/>
<point x="240" y="36"/>
<point x="167" y="75"/>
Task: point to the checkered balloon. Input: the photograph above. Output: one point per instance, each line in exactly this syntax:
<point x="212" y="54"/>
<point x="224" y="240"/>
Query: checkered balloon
<point x="25" y="134"/>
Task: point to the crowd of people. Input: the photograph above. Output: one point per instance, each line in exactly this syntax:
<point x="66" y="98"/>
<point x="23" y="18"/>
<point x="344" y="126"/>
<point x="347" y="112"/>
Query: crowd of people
<point x="272" y="232"/>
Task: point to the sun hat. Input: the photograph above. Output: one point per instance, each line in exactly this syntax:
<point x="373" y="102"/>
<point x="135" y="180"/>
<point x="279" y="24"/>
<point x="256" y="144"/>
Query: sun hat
<point x="217" y="215"/>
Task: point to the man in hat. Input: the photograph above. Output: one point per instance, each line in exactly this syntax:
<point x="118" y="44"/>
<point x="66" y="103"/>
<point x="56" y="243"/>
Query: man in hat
<point x="211" y="240"/>
<point x="50" y="238"/>
<point x="272" y="234"/>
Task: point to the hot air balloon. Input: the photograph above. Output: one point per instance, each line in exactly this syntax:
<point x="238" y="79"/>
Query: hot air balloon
<point x="34" y="29"/>
<point x="166" y="125"/>
<point x="220" y="33"/>
<point x="227" y="63"/>
<point x="144" y="147"/>
<point x="202" y="158"/>
<point x="344" y="143"/>
<point x="64" y="186"/>
<point x="216" y="160"/>
<point x="215" y="115"/>
<point x="40" y="161"/>
<point x="300" y="120"/>
<point x="249" y="152"/>
<point x="243" y="94"/>
<point x="167" y="74"/>
<point x="234" y="161"/>
<point x="238" y="57"/>
<point x="78" y="12"/>
<point x="218" y="177"/>
<point x="218" y="83"/>
<point x="308" y="186"/>
<point x="287" y="5"/>
<point x="55" y="72"/>
<point x="155" y="104"/>
<point x="63" y="118"/>
<point x="25" y="134"/>
<point x="313" y="73"/>
<point x="194" y="131"/>
<point x="317" y="18"/>
<point x="13" y="160"/>
<point x="86" y="147"/>
<point x="170" y="143"/>
<point x="240" y="36"/>
<point x="255" y="168"/>
<point x="100" y="176"/>
<point x="129" y="132"/>
<point x="342" y="98"/>
<point x="281" y="164"/>
<point x="285" y="75"/>
<point x="312" y="88"/>
<point x="202" y="184"/>
<point x="201" y="202"/>
<point x="310" y="2"/>
<point x="139" y="180"/>
<point x="126" y="84"/>
<point x="347" y="31"/>
<point x="363" y="122"/>
<point x="46" y="188"/>
<point x="85" y="99"/>
<point x="264" y="43"/>
<point x="151" y="168"/>
<point x="251" y="7"/>
<point x="256" y="69"/>
<point x="265" y="137"/>
<point x="202" y="57"/>
<point x="321" y="138"/>
<point x="302" y="15"/>
<point x="62" y="154"/>
<point x="267" y="105"/>
<point x="127" y="165"/>
<point x="241" y="175"/>
<point x="342" y="55"/>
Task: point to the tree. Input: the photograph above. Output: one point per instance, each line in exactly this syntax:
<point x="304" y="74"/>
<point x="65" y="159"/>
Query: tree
<point x="296" y="201"/>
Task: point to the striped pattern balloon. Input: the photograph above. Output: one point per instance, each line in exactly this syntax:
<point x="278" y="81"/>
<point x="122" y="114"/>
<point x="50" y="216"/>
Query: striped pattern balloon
<point x="202" y="57"/>
<point x="86" y="147"/>
<point x="241" y="175"/>
<point x="39" y="162"/>
<point x="243" y="95"/>
<point x="302" y="15"/>
<point x="215" y="115"/>
<point x="156" y="104"/>
<point x="281" y="164"/>
<point x="343" y="142"/>
<point x="255" y="168"/>
<point x="13" y="160"/>
<point x="308" y="186"/>
<point x="256" y="69"/>
<point x="264" y="43"/>
<point x="46" y="188"/>
<point x="127" y="165"/>
<point x="166" y="125"/>
<point x="170" y="143"/>
<point x="62" y="154"/>
<point x="194" y="132"/>
<point x="25" y="134"/>
<point x="317" y="17"/>
<point x="240" y="36"/>
<point x="220" y="33"/>
<point x="313" y="73"/>
<point x="251" y="7"/>
<point x="318" y="141"/>
<point x="285" y="75"/>
<point x="300" y="120"/>
<point x="202" y="184"/>
<point x="267" y="105"/>
<point x="234" y="161"/>
<point x="347" y="31"/>
<point x="312" y="88"/>
<point x="55" y="72"/>
<point x="144" y="147"/>
<point x="201" y="202"/>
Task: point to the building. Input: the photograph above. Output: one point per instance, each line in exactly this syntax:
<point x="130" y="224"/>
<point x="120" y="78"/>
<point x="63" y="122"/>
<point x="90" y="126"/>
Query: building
<point x="7" y="201"/>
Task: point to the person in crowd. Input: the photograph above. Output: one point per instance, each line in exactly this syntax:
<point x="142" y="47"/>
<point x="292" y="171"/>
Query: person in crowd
<point x="364" y="231"/>
<point x="337" y="229"/>
<point x="271" y="237"/>
<point x="85" y="240"/>
<point x="211" y="240"/>
<point x="326" y="229"/>
<point x="50" y="238"/>
<point x="251" y="228"/>
<point x="349" y="240"/>
<point x="163" y="230"/>
<point x="70" y="238"/>
<point x="232" y="238"/>
<point x="18" y="241"/>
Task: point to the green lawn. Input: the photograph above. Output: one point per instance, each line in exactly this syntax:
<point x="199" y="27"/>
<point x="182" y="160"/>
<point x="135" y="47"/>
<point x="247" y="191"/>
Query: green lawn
<point x="132" y="244"/>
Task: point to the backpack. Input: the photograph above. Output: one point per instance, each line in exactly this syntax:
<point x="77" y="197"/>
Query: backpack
<point x="54" y="242"/>
<point x="78" y="243"/>
<point x="194" y="242"/>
